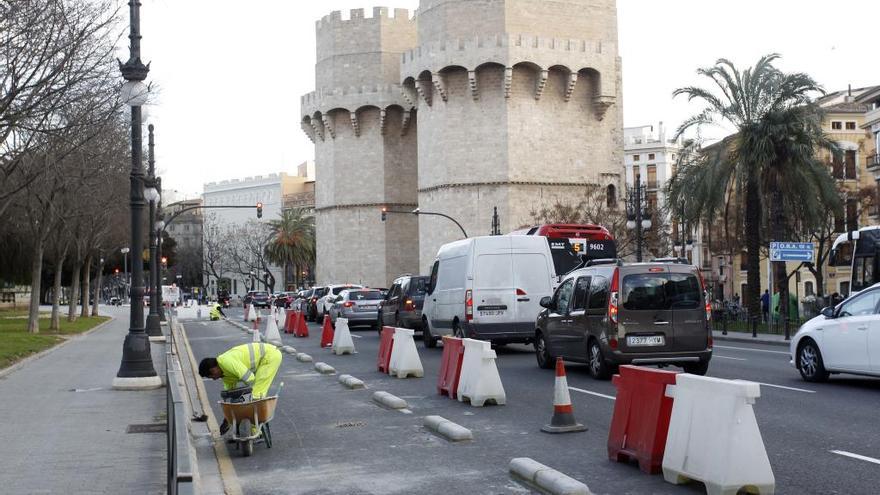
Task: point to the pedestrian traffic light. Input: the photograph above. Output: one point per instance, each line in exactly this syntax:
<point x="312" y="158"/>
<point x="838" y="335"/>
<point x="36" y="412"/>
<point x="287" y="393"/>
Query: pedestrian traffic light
<point x="384" y="213"/>
<point x="259" y="210"/>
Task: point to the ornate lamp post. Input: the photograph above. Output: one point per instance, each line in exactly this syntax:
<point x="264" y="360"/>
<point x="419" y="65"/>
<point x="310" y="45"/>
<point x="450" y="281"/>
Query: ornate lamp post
<point x="154" y="330"/>
<point x="136" y="371"/>
<point x="636" y="214"/>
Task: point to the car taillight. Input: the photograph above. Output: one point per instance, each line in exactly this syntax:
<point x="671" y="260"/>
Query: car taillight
<point x="468" y="305"/>
<point x="520" y="292"/>
<point x="612" y="342"/>
<point x="408" y="305"/>
<point x="612" y="299"/>
<point x="710" y="341"/>
<point x="348" y="304"/>
<point x="314" y="299"/>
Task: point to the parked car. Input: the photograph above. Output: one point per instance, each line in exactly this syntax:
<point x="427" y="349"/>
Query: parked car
<point x="283" y="299"/>
<point x="843" y="339"/>
<point x="488" y="288"/>
<point x="612" y="313"/>
<point x="359" y="306"/>
<point x="326" y="301"/>
<point x="312" y="303"/>
<point x="259" y="298"/>
<point x="403" y="302"/>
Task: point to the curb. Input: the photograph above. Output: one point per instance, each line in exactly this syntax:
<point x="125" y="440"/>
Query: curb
<point x="288" y="349"/>
<point x="545" y="479"/>
<point x="749" y="340"/>
<point x="351" y="382"/>
<point x="228" y="474"/>
<point x="389" y="401"/>
<point x="447" y="429"/>
<point x="303" y="358"/>
<point x="325" y="369"/>
<point x="33" y="357"/>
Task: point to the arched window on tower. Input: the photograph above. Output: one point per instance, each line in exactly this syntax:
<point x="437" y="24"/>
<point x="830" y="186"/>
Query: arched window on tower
<point x="611" y="196"/>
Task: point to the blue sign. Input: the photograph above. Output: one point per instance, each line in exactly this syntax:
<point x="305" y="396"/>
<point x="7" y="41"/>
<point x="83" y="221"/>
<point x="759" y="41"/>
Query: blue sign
<point x="791" y="251"/>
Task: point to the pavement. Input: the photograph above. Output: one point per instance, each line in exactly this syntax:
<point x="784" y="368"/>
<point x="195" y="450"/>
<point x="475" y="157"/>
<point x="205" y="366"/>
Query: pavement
<point x="762" y="338"/>
<point x="332" y="440"/>
<point x="65" y="430"/>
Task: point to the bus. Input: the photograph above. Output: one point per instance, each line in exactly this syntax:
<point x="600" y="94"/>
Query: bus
<point x="863" y="246"/>
<point x="569" y="243"/>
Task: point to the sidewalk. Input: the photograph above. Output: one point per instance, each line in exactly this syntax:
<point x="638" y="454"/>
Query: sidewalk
<point x="762" y="338"/>
<point x="65" y="428"/>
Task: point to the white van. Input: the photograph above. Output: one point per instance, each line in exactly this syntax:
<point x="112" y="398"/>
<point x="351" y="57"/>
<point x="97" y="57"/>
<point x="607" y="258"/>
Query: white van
<point x="488" y="288"/>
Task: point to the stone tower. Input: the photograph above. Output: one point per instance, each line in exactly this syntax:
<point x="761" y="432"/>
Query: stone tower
<point x="365" y="148"/>
<point x="518" y="105"/>
<point x="469" y="106"/>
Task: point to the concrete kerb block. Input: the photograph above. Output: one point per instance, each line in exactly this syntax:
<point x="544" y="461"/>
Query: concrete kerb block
<point x="390" y="401"/>
<point x="545" y="479"/>
<point x="288" y="349"/>
<point x="324" y="368"/>
<point x="351" y="382"/>
<point x="447" y="429"/>
<point x="303" y="358"/>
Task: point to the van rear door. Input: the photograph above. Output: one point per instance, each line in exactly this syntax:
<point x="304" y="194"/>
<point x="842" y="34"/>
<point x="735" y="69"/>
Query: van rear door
<point x="531" y="282"/>
<point x="687" y="302"/>
<point x="644" y="310"/>
<point x="493" y="296"/>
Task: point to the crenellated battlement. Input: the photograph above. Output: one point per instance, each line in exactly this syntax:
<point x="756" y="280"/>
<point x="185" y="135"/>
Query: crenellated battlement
<point x="356" y="17"/>
<point x="353" y="98"/>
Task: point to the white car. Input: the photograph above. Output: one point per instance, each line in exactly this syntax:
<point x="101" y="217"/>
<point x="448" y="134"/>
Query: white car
<point x="843" y="339"/>
<point x="323" y="305"/>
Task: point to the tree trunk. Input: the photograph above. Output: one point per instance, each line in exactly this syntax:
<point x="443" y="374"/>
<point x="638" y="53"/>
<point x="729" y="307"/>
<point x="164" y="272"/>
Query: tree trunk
<point x="98" y="276"/>
<point x="86" y="281"/>
<point x="780" y="271"/>
<point x="74" y="290"/>
<point x="36" y="276"/>
<point x="753" y="247"/>
<point x="56" y="293"/>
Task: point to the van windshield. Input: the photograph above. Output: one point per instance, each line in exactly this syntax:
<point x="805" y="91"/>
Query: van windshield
<point x="660" y="291"/>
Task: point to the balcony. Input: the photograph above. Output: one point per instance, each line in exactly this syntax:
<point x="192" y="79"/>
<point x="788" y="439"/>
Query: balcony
<point x="652" y="184"/>
<point x="872" y="163"/>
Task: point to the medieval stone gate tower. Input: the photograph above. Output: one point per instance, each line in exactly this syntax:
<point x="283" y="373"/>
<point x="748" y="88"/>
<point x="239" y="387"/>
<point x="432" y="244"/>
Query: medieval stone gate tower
<point x="511" y="104"/>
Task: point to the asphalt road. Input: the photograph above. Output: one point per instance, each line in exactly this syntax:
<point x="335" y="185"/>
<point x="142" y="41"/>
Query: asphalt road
<point x="329" y="440"/>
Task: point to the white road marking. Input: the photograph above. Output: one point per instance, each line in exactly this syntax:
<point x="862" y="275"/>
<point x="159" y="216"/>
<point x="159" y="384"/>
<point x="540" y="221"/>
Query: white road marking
<point x="788" y="388"/>
<point x="728" y="357"/>
<point x="750" y="349"/>
<point x="597" y="394"/>
<point x="855" y="456"/>
<point x="356" y="336"/>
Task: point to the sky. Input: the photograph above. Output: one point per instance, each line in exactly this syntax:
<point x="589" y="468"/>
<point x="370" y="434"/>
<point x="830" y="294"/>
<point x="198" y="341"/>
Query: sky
<point x="229" y="75"/>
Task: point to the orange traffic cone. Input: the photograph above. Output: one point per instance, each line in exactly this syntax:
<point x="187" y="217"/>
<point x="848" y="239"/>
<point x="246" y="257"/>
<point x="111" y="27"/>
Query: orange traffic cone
<point x="563" y="415"/>
<point x="327" y="333"/>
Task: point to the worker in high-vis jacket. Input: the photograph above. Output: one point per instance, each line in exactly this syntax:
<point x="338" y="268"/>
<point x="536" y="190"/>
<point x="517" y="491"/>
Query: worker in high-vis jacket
<point x="253" y="365"/>
<point x="216" y="312"/>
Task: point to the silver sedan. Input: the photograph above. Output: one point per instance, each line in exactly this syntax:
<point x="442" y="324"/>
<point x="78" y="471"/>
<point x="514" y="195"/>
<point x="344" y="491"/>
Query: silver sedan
<point x="359" y="306"/>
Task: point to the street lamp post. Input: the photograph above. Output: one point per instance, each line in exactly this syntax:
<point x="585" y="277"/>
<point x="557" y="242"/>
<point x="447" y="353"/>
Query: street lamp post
<point x="136" y="371"/>
<point x="125" y="252"/>
<point x="154" y="330"/>
<point x="161" y="262"/>
<point x="418" y="211"/>
<point x="636" y="213"/>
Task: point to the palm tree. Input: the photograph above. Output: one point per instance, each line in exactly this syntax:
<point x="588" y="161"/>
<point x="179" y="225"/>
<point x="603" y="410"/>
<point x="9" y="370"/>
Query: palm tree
<point x="769" y="163"/>
<point x="292" y="240"/>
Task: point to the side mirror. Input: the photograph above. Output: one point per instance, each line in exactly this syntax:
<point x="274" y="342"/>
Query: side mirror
<point x="546" y="302"/>
<point x="828" y="312"/>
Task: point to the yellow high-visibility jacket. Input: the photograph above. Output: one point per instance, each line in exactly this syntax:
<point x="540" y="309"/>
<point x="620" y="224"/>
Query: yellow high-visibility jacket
<point x="240" y="363"/>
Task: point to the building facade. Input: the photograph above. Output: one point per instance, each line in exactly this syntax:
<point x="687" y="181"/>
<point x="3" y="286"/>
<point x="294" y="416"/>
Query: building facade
<point x="271" y="191"/>
<point x="464" y="108"/>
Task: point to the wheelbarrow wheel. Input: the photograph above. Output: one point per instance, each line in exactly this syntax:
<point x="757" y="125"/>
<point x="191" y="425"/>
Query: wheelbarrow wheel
<point x="248" y="448"/>
<point x="267" y="435"/>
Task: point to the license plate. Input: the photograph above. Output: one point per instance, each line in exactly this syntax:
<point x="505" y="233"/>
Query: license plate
<point x="652" y="340"/>
<point x="496" y="312"/>
<point x="368" y="307"/>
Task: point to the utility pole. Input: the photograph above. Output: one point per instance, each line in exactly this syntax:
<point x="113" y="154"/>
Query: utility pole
<point x="154" y="330"/>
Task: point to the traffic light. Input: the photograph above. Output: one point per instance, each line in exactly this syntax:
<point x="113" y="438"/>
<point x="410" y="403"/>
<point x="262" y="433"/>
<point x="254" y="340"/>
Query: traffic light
<point x="116" y="271"/>
<point x="384" y="213"/>
<point x="259" y="210"/>
<point x="164" y="260"/>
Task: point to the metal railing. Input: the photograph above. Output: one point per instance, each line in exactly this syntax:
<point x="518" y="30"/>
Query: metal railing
<point x="180" y="472"/>
<point x="872" y="161"/>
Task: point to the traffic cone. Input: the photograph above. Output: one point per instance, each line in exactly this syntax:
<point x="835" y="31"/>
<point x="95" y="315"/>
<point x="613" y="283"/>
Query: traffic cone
<point x="256" y="329"/>
<point x="272" y="335"/>
<point x="327" y="333"/>
<point x="563" y="418"/>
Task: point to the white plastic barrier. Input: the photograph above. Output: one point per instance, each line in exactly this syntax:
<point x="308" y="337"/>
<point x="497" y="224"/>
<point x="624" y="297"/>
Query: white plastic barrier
<point x="714" y="437"/>
<point x="342" y="342"/>
<point x="479" y="381"/>
<point x="405" y="359"/>
<point x="250" y="314"/>
<point x="272" y="334"/>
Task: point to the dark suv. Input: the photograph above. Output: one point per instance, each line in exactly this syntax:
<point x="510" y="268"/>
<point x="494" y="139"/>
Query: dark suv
<point x="611" y="313"/>
<point x="402" y="306"/>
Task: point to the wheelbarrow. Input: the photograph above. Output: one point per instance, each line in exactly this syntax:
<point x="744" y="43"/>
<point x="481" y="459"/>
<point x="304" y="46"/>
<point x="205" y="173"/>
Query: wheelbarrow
<point x="249" y="418"/>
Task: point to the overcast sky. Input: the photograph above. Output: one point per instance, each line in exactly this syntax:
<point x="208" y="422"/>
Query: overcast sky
<point x="231" y="73"/>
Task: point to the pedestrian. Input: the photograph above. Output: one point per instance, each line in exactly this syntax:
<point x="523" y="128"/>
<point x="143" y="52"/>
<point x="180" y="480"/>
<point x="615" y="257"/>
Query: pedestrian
<point x="254" y="364"/>
<point x="765" y="304"/>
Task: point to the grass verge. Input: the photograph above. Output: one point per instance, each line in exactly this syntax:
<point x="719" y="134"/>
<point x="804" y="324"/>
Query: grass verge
<point x="16" y="343"/>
